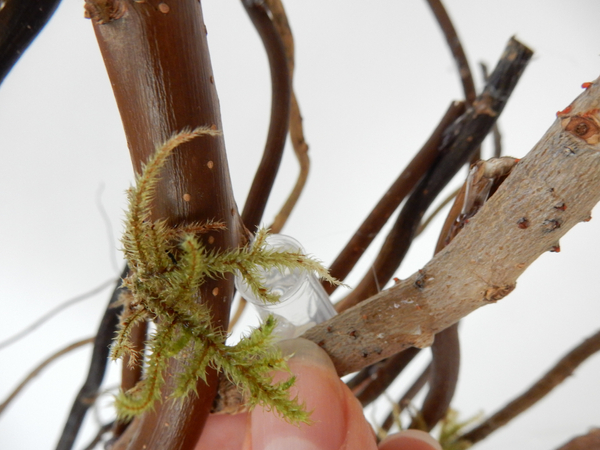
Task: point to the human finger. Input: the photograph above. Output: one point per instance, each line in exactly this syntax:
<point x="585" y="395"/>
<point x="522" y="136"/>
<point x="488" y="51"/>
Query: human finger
<point x="409" y="440"/>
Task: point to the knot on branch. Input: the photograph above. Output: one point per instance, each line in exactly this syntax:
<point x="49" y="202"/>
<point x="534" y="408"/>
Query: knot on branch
<point x="104" y="11"/>
<point x="585" y="127"/>
<point x="495" y="293"/>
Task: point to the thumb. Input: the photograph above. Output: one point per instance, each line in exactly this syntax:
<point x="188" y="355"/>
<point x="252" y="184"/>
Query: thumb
<point x="337" y="419"/>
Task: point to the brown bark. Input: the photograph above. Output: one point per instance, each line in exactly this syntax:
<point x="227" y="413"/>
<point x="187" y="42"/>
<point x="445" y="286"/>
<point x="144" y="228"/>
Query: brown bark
<point x="157" y="59"/>
<point x="589" y="441"/>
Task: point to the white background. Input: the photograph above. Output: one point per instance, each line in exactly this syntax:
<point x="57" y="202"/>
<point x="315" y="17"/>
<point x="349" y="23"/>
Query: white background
<point x="372" y="78"/>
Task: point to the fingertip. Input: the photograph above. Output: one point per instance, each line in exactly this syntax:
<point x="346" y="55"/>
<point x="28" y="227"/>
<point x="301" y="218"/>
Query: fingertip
<point x="305" y="352"/>
<point x="410" y="440"/>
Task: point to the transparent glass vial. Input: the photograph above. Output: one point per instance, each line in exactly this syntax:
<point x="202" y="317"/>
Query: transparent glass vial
<point x="303" y="302"/>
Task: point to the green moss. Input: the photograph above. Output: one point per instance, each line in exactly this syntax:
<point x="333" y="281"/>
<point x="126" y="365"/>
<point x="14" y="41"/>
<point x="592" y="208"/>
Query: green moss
<point x="168" y="266"/>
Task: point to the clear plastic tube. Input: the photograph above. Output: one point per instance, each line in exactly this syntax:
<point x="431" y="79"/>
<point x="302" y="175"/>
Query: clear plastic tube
<point x="303" y="302"/>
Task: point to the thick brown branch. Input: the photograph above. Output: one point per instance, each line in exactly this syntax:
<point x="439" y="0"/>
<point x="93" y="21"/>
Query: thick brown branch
<point x="519" y="223"/>
<point x="382" y="376"/>
<point x="561" y="370"/>
<point x="159" y="66"/>
<point x="444" y="376"/>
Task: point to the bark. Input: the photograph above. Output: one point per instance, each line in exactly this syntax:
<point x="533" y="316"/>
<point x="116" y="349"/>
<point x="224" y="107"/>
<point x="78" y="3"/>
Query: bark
<point x="548" y="192"/>
<point x="589" y="441"/>
<point x="157" y="59"/>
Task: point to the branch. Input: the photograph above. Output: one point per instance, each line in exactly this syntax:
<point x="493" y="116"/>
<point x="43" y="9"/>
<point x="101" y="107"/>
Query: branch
<point x="281" y="85"/>
<point x="380" y="214"/>
<point x="296" y="129"/>
<point x="561" y="370"/>
<point x="159" y="66"/>
<point x="20" y="22"/>
<point x="456" y="48"/>
<point x="547" y="193"/>
<point x="98" y="362"/>
<point x="459" y="146"/>
<point x="35" y="372"/>
<point x="589" y="441"/>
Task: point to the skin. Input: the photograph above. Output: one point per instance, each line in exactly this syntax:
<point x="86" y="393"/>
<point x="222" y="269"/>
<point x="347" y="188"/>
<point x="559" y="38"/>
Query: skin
<point x="338" y="420"/>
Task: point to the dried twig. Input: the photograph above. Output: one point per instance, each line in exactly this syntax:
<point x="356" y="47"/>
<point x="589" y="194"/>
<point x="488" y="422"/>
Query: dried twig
<point x="456" y="48"/>
<point x="405" y="400"/>
<point x="35" y="372"/>
<point x="551" y="379"/>
<point x="443" y="378"/>
<point x="57" y="309"/>
<point x="98" y="362"/>
<point x="380" y="214"/>
<point x="280" y="113"/>
<point x="381" y="376"/>
<point x="470" y="131"/>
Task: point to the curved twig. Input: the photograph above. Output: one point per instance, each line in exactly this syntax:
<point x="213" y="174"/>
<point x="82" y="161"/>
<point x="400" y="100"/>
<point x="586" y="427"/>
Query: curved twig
<point x="456" y="48"/>
<point x="405" y="400"/>
<point x="35" y="372"/>
<point x="57" y="309"/>
<point x="280" y="113"/>
<point x="551" y="379"/>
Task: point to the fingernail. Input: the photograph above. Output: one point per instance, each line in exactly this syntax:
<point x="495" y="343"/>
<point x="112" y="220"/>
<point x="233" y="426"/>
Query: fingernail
<point x="306" y="352"/>
<point x="410" y="440"/>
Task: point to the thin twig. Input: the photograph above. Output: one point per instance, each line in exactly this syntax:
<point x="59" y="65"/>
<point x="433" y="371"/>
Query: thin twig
<point x="470" y="131"/>
<point x="497" y="136"/>
<point x="59" y="308"/>
<point x="456" y="48"/>
<point x="296" y="130"/>
<point x="35" y="372"/>
<point x="405" y="400"/>
<point x="388" y="203"/>
<point x="436" y="211"/>
<point x="551" y="379"/>
<point x="101" y="432"/>
<point x="280" y="113"/>
<point x="89" y="390"/>
<point x="383" y="375"/>
<point x="108" y="227"/>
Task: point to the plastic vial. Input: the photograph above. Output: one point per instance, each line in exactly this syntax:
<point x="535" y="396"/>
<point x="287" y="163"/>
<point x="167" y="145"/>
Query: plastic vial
<point x="303" y="302"/>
